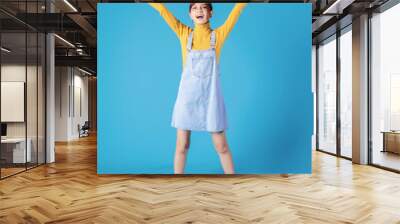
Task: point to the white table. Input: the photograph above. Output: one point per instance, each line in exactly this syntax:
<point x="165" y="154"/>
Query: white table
<point x="19" y="155"/>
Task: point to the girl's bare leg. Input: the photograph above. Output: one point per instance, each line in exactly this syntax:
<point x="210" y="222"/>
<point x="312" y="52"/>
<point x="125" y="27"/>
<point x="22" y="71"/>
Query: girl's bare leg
<point x="225" y="155"/>
<point x="182" y="146"/>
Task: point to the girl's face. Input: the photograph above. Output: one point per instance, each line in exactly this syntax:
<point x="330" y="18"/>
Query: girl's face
<point x="200" y="13"/>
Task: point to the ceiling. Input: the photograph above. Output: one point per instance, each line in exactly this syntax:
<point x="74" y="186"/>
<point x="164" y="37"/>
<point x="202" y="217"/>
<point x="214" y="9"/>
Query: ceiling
<point x="75" y="23"/>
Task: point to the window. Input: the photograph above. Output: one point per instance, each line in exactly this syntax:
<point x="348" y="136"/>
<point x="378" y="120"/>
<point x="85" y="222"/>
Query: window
<point x="346" y="92"/>
<point x="327" y="95"/>
<point x="385" y="88"/>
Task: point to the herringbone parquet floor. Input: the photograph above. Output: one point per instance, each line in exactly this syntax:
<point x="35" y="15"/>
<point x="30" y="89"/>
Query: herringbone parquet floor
<point x="70" y="191"/>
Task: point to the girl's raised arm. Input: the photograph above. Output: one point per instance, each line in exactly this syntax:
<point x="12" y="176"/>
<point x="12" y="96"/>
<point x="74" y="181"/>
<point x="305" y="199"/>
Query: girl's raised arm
<point x="173" y="22"/>
<point x="226" y="28"/>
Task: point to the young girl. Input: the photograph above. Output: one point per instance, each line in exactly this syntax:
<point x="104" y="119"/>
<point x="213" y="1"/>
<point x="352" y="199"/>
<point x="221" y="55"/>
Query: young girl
<point x="200" y="105"/>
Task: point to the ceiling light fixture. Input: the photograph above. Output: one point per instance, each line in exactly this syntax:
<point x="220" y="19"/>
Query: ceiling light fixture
<point x="333" y="6"/>
<point x="79" y="51"/>
<point x="64" y="40"/>
<point x="84" y="71"/>
<point x="338" y="6"/>
<point x="5" y="50"/>
<point x="70" y="5"/>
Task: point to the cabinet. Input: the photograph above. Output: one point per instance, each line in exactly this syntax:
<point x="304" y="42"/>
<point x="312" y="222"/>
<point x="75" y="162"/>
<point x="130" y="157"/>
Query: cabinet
<point x="391" y="142"/>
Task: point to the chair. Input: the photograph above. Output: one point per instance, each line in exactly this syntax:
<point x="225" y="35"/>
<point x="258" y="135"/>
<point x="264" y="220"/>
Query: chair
<point x="84" y="130"/>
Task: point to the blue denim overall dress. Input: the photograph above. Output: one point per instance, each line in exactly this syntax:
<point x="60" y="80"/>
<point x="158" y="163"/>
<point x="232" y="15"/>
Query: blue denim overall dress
<point x="199" y="105"/>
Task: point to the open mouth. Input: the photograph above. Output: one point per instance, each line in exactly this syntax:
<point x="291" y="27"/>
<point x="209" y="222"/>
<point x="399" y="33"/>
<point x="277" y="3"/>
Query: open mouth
<point x="199" y="17"/>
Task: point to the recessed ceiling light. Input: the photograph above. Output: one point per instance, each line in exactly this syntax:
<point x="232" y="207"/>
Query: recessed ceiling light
<point x="70" y="5"/>
<point x="5" y="50"/>
<point x="84" y="71"/>
<point x="64" y="40"/>
<point x="337" y="7"/>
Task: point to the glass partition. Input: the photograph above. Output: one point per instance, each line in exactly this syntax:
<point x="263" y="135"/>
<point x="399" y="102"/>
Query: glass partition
<point x="22" y="90"/>
<point x="32" y="95"/>
<point x="41" y="107"/>
<point x="14" y="153"/>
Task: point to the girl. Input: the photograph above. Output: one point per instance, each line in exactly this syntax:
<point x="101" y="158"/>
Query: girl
<point x="199" y="105"/>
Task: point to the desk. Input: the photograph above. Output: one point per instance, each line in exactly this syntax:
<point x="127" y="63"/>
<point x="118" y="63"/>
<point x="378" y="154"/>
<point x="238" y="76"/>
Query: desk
<point x="391" y="141"/>
<point x="17" y="150"/>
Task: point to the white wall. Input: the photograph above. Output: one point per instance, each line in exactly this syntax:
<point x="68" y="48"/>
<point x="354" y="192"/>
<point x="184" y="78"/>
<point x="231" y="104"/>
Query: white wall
<point x="10" y="73"/>
<point x="70" y="84"/>
<point x="62" y="82"/>
<point x="79" y="117"/>
<point x="16" y="72"/>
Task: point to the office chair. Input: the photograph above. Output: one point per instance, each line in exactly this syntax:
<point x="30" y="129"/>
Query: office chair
<point x="84" y="130"/>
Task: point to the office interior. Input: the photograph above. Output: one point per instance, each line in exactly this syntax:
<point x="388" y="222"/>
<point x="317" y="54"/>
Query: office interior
<point x="334" y="70"/>
<point x="48" y="76"/>
<point x="49" y="80"/>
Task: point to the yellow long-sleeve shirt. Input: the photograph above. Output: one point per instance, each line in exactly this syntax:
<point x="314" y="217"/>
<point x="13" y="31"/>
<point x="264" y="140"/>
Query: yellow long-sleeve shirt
<point x="201" y="32"/>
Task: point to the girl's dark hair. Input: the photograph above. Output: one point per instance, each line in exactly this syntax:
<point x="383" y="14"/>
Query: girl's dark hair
<point x="208" y="4"/>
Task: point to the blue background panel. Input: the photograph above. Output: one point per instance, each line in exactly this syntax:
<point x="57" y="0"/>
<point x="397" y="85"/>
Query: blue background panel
<point x="266" y="81"/>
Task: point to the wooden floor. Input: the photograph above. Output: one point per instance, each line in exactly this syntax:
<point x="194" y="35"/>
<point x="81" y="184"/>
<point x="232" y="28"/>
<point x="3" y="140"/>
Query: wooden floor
<point x="70" y="191"/>
<point x="5" y="172"/>
<point x="387" y="159"/>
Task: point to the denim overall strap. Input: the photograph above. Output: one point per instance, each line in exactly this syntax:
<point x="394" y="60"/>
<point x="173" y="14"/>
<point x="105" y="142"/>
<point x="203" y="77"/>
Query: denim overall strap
<point x="189" y="42"/>
<point x="212" y="40"/>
